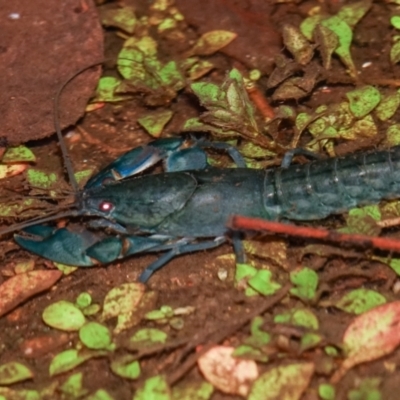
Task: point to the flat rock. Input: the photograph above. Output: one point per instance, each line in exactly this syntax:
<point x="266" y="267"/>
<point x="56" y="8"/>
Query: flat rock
<point x="42" y="44"/>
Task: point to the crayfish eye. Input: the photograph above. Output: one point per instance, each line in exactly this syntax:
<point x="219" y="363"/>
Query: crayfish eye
<point x="106" y="206"/>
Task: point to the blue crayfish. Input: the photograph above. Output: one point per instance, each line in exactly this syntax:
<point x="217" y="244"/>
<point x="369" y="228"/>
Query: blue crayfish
<point x="186" y="208"/>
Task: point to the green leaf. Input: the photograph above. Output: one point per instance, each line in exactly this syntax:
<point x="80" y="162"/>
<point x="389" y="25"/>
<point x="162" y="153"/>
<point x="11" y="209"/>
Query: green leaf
<point x="106" y="90"/>
<point x="242" y="274"/>
<point x="208" y="93"/>
<point x="99" y="394"/>
<point x="199" y="69"/>
<point x="155" y="122"/>
<point x="310" y="340"/>
<point x="393" y="135"/>
<point x="155" y="388"/>
<point x="69" y="359"/>
<point x="21" y="394"/>
<point x="297" y="44"/>
<point x="250" y="353"/>
<point x="83" y="300"/>
<point x="123" y="18"/>
<point x="95" y="336"/>
<point x="309" y="24"/>
<point x="363" y="100"/>
<point x="363" y="220"/>
<point x="285" y="382"/>
<point x="210" y="42"/>
<point x="300" y="317"/>
<point x="13" y="372"/>
<point x="352" y="13"/>
<point x="367" y="389"/>
<point x="121" y="302"/>
<point x="73" y="386"/>
<point x="63" y="315"/>
<point x="18" y="154"/>
<point x="395" y="51"/>
<point x="25" y="208"/>
<point x="388" y="106"/>
<point x="328" y="42"/>
<point x="306" y="281"/>
<point x="82" y="176"/>
<point x="170" y="75"/>
<point x="360" y="300"/>
<point x="345" y="36"/>
<point x="126" y="366"/>
<point x="41" y="179"/>
<point x="262" y="282"/>
<point x="326" y="391"/>
<point x="147" y="337"/>
<point x="395" y="21"/>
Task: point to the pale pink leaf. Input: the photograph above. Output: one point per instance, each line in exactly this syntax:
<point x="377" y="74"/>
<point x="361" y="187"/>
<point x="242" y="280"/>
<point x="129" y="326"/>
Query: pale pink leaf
<point x="228" y="374"/>
<point x="20" y="287"/>
<point x="7" y="171"/>
<point x="371" y="335"/>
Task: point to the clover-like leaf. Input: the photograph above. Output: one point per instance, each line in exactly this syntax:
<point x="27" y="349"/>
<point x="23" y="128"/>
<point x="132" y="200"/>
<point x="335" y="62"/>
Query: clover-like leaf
<point x="306" y="281"/>
<point x="300" y="317"/>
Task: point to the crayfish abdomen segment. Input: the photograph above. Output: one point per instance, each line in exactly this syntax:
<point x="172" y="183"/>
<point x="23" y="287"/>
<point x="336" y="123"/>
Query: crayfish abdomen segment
<point x="320" y="188"/>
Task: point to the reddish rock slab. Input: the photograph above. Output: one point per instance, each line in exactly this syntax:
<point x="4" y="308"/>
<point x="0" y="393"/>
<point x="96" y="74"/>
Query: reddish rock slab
<point x="42" y="43"/>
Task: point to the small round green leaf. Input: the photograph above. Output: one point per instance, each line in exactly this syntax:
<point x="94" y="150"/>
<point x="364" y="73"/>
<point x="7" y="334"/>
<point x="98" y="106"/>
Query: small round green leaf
<point x="263" y="283"/>
<point x="126" y="366"/>
<point x="64" y="315"/>
<point x="95" y="336"/>
<point x="155" y="388"/>
<point x="148" y="337"/>
<point x="84" y="300"/>
<point x="395" y="21"/>
<point x="300" y="317"/>
<point x="363" y="100"/>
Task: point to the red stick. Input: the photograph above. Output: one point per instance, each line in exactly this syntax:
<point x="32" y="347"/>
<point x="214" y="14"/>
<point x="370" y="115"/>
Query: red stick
<point x="261" y="225"/>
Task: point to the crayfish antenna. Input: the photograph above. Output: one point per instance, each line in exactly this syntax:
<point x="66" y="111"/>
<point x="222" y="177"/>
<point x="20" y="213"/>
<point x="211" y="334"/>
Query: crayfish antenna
<point x="63" y="147"/>
<point x="36" y="221"/>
